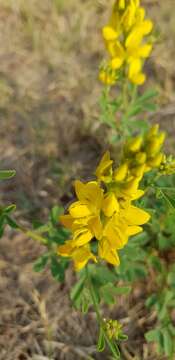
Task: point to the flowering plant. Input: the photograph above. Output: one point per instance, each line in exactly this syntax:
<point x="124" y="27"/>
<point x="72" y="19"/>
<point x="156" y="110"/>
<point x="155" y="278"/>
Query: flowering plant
<point x="123" y="217"/>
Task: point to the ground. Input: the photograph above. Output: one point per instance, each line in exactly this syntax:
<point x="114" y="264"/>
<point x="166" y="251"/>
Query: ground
<point x="49" y="91"/>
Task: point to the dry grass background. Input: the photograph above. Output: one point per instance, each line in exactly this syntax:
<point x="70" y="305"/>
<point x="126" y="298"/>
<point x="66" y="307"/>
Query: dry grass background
<point x="49" y="56"/>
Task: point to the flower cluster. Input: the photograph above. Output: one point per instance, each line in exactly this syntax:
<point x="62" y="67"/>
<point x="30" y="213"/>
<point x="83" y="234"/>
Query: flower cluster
<point x="104" y="217"/>
<point x="126" y="41"/>
<point x="144" y="153"/>
<point x="114" y="329"/>
<point x="167" y="166"/>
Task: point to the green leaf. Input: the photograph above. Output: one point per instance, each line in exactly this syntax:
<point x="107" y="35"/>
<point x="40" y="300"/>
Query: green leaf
<point x="123" y="337"/>
<point x="171" y="328"/>
<point x="77" y="289"/>
<point x="151" y="301"/>
<point x="55" y="214"/>
<point x="102" y="274"/>
<point x="58" y="268"/>
<point x="7" y="174"/>
<point x="155" y="261"/>
<point x="139" y="124"/>
<point x="163" y="242"/>
<point x="41" y="263"/>
<point x="150" y="107"/>
<point x="109" y="292"/>
<point x="122" y="290"/>
<point x="153" y="335"/>
<point x="86" y="300"/>
<point x="11" y="222"/>
<point x="169" y="199"/>
<point x="168" y="342"/>
<point x="149" y="94"/>
<point x="135" y="110"/>
<point x="116" y="350"/>
<point x="10" y="208"/>
<point x="101" y="341"/>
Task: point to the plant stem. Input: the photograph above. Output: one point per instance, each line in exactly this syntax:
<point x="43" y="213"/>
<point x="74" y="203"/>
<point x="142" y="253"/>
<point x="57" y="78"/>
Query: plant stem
<point x="99" y="318"/>
<point x="129" y="98"/>
<point x="30" y="233"/>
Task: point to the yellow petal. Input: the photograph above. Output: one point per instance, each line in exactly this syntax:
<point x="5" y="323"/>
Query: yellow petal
<point x="156" y="161"/>
<point x="134" y="39"/>
<point x="67" y="221"/>
<point x="121" y="4"/>
<point x="109" y="33"/>
<point x="141" y="158"/>
<point x="116" y="235"/>
<point x="110" y="205"/>
<point x="121" y="173"/>
<point x="81" y="237"/>
<point x="130" y="187"/>
<point x="107" y="78"/>
<point x="138" y="79"/>
<point x="138" y="170"/>
<point x="154" y="144"/>
<point x="110" y="255"/>
<point x="66" y="249"/>
<point x="104" y="169"/>
<point x="133" y="230"/>
<point x="81" y="256"/>
<point x="78" y="210"/>
<point x="134" y="144"/>
<point x="146" y="27"/>
<point x="116" y="63"/>
<point x="140" y="15"/>
<point x="96" y="227"/>
<point x="138" y="194"/>
<point x="145" y="50"/>
<point x="116" y="50"/>
<point x="135" y="216"/>
<point x="135" y="67"/>
<point x="89" y="194"/>
<point x="153" y="131"/>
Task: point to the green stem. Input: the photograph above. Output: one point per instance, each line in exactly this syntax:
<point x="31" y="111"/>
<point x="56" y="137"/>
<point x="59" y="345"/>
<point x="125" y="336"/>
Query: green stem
<point x="30" y="233"/>
<point x="128" y="102"/>
<point x="99" y="318"/>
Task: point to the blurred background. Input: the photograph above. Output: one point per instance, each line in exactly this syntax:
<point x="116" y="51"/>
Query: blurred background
<point x="49" y="132"/>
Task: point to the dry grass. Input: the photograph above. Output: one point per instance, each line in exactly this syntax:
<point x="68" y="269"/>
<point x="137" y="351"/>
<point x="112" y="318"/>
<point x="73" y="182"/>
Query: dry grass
<point x="49" y="57"/>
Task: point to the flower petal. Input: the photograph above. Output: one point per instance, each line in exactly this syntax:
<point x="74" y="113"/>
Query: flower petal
<point x="135" y="216"/>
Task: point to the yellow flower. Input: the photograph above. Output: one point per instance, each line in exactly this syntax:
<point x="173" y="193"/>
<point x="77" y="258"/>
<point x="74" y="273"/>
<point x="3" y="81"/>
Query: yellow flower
<point x="110" y="204"/>
<point x="84" y="215"/>
<point x="156" y="161"/>
<point x="154" y="144"/>
<point x="121" y="172"/>
<point x="104" y="212"/>
<point x="167" y="166"/>
<point x="108" y="76"/>
<point x="104" y="169"/>
<point x="80" y="255"/>
<point x="109" y="33"/>
<point x="118" y="229"/>
<point x="124" y="38"/>
<point x="143" y="153"/>
<point x="107" y="253"/>
<point x="134" y="145"/>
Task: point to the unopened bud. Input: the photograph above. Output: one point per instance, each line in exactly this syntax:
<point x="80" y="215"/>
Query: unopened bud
<point x="121" y="172"/>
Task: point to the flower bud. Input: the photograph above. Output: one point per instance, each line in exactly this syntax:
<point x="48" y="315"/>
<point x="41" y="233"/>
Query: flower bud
<point x="141" y="158"/>
<point x="154" y="144"/>
<point x="121" y="172"/>
<point x="138" y="171"/>
<point x="156" y="161"/>
<point x="135" y="144"/>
